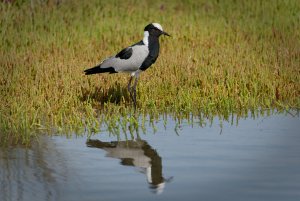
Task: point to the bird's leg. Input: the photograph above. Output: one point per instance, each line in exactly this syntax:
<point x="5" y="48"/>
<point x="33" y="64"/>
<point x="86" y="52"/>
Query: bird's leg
<point x="134" y="91"/>
<point x="129" y="84"/>
<point x="130" y="88"/>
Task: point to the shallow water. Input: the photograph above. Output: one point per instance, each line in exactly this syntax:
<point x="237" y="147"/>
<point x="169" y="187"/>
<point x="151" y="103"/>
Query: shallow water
<point x="258" y="159"/>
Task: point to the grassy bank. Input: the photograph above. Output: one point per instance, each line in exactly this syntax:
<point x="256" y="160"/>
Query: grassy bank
<point x="224" y="57"/>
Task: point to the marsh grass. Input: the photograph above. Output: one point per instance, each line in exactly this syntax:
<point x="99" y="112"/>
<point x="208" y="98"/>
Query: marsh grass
<point x="224" y="57"/>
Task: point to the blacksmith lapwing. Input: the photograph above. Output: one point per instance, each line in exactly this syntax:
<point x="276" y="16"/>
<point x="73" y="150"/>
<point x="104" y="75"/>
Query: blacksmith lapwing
<point x="133" y="59"/>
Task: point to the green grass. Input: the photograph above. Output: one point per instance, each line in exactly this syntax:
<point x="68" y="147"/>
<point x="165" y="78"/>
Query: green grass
<point x="224" y="57"/>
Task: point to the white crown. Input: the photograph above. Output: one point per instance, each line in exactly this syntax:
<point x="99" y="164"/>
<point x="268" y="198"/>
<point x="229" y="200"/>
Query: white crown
<point x="157" y="26"/>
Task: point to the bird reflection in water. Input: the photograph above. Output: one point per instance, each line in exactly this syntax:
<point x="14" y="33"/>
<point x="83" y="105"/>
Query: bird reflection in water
<point x="137" y="153"/>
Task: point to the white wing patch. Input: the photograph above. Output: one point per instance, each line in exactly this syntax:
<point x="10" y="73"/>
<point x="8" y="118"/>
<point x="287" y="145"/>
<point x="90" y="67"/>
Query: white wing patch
<point x="139" y="54"/>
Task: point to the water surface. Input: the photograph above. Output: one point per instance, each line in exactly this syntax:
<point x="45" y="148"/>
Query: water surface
<point x="258" y="159"/>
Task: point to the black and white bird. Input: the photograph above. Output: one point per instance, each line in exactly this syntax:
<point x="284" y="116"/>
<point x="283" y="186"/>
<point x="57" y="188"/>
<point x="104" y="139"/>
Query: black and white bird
<point x="133" y="59"/>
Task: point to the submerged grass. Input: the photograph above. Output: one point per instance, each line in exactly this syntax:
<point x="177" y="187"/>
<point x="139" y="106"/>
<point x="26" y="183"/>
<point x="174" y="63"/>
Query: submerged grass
<point x="224" y="57"/>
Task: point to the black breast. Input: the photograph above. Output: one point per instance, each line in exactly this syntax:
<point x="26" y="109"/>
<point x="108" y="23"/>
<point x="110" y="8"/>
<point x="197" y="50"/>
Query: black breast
<point x="153" y="46"/>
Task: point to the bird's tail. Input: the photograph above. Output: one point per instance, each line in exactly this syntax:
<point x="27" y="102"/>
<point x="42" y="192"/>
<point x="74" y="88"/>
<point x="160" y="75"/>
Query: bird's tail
<point x="98" y="69"/>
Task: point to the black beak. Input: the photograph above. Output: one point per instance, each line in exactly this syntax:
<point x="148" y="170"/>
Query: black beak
<point x="165" y="33"/>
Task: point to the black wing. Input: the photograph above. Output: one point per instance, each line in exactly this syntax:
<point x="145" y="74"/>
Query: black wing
<point x="125" y="53"/>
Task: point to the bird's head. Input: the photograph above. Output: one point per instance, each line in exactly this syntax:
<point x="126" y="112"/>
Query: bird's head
<point x="155" y="29"/>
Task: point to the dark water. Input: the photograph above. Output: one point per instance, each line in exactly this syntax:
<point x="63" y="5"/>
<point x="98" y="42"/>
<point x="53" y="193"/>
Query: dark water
<point x="258" y="159"/>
